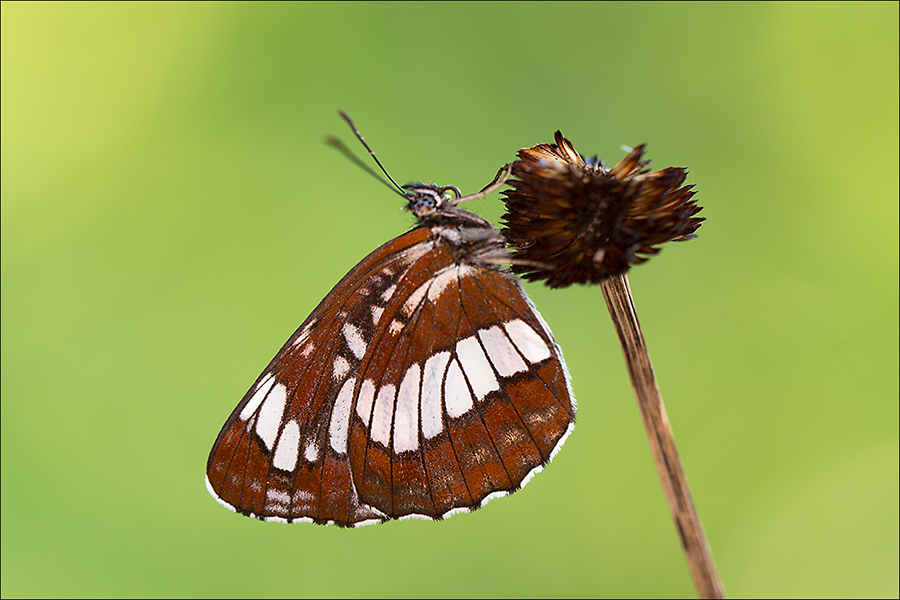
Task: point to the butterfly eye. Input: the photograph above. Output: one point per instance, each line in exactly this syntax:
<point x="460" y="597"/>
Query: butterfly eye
<point x="423" y="205"/>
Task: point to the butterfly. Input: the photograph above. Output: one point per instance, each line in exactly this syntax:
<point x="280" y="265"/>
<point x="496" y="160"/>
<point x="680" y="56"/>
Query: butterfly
<point x="426" y="383"/>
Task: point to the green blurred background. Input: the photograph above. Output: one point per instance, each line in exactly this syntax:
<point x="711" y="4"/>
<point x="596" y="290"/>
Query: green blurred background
<point x="170" y="215"/>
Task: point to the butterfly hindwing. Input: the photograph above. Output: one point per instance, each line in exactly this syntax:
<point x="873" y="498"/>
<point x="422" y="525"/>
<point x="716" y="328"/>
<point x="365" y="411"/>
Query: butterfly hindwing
<point x="463" y="395"/>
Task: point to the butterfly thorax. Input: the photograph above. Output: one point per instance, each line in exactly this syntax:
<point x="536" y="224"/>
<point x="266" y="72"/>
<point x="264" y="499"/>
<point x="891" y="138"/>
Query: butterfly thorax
<point x="470" y="237"/>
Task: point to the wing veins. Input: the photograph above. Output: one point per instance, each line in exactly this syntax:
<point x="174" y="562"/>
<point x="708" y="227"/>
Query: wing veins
<point x="475" y="403"/>
<point x="525" y="361"/>
<point x="411" y="326"/>
<point x="553" y="352"/>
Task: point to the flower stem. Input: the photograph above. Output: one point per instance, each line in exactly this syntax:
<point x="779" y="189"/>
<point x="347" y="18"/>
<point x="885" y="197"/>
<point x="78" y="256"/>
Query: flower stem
<point x="618" y="297"/>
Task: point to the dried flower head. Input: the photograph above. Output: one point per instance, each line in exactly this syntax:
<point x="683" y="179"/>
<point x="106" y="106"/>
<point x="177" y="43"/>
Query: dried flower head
<point x="573" y="220"/>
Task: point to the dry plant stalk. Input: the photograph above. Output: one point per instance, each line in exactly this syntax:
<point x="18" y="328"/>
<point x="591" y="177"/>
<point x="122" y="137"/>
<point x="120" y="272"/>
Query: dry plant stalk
<point x="572" y="220"/>
<point x="617" y="294"/>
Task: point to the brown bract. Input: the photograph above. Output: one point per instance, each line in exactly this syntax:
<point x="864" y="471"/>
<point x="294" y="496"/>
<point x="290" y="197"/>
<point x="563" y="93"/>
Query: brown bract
<point x="573" y="220"/>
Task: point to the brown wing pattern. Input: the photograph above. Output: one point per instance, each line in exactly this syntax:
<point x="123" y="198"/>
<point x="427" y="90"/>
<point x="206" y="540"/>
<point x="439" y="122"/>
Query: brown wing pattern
<point x="423" y="384"/>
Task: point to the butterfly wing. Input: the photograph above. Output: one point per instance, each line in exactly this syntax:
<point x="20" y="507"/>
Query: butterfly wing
<point x="424" y="383"/>
<point x="469" y="398"/>
<point x="272" y="459"/>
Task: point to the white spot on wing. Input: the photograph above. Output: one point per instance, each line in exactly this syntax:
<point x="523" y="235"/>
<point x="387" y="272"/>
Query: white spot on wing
<point x="381" y="415"/>
<point x="304" y="334"/>
<point x="277" y="519"/>
<point x="213" y="493"/>
<point x="367" y="522"/>
<point x="444" y="278"/>
<point x="454" y="511"/>
<point x="413" y="253"/>
<point x="553" y="453"/>
<point x="501" y="352"/>
<point x="527" y="341"/>
<point x="477" y="368"/>
<point x="406" y="434"/>
<point x="354" y="340"/>
<point x="377" y="311"/>
<point x="311" y="451"/>
<point x="340" y="367"/>
<point x="415" y="299"/>
<point x="364" y="401"/>
<point x="279" y="496"/>
<point x="270" y="415"/>
<point x="415" y="516"/>
<point x="388" y="293"/>
<point x="396" y="327"/>
<point x="302" y="496"/>
<point x="340" y="417"/>
<point x="493" y="496"/>
<point x="432" y="412"/>
<point x="288" y="447"/>
<point x="251" y="406"/>
<point x="277" y="501"/>
<point x="457" y="397"/>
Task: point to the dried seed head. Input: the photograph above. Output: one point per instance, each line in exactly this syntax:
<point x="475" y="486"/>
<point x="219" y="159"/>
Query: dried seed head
<point x="572" y="220"/>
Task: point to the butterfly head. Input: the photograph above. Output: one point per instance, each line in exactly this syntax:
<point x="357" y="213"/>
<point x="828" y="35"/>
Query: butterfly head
<point x="428" y="200"/>
<point x="430" y="203"/>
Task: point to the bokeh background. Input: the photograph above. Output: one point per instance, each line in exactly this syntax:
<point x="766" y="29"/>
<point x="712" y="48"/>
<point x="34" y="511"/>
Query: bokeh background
<point x="170" y="215"/>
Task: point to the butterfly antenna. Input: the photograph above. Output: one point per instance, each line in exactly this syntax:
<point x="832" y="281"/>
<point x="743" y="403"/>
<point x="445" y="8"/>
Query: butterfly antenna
<point x="333" y="141"/>
<point x="340" y="146"/>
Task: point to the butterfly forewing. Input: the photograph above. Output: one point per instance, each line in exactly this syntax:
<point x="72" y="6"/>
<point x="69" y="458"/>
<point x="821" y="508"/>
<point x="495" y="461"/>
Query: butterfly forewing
<point x="297" y="392"/>
<point x="424" y="383"/>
